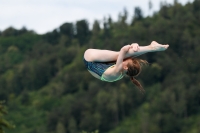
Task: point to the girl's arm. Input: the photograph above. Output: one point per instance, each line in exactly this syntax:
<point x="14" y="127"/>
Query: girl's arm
<point x="122" y="53"/>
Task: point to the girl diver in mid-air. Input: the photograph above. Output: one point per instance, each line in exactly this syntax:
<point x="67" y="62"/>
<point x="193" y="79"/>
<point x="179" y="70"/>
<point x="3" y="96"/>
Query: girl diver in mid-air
<point x="99" y="62"/>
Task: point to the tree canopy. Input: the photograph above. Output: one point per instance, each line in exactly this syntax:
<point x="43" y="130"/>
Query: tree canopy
<point x="48" y="89"/>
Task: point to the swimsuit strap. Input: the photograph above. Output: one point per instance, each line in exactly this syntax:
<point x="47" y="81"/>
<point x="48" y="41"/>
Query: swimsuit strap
<point x="120" y="77"/>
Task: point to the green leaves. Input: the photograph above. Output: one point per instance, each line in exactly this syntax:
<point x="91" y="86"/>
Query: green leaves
<point x="4" y="123"/>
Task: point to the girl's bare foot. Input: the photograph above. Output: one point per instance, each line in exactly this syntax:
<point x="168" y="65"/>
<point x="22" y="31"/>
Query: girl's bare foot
<point x="158" y="47"/>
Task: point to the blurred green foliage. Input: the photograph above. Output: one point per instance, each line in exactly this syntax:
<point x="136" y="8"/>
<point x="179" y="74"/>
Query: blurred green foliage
<point x="48" y="89"/>
<point x="3" y="122"/>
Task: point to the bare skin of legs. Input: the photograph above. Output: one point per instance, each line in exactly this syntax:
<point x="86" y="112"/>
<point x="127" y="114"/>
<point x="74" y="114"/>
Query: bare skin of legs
<point x="108" y="55"/>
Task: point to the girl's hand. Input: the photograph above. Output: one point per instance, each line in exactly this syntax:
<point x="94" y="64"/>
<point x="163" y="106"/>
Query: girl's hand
<point x="135" y="47"/>
<point x="126" y="48"/>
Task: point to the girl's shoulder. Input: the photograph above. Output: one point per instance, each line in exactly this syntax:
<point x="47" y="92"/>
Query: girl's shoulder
<point x="110" y="75"/>
<point x="111" y="72"/>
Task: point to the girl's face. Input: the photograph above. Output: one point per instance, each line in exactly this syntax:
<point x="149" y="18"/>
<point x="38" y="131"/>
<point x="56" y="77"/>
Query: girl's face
<point x="125" y="64"/>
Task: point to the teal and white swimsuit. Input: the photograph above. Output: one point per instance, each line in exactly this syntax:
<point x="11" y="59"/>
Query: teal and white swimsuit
<point x="99" y="68"/>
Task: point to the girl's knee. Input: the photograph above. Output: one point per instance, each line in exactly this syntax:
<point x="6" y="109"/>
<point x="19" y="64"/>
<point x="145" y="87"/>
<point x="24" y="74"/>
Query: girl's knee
<point x="88" y="54"/>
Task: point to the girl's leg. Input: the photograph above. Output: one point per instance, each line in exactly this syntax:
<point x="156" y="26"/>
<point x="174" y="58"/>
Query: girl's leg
<point x="153" y="47"/>
<point x="107" y="55"/>
<point x="100" y="55"/>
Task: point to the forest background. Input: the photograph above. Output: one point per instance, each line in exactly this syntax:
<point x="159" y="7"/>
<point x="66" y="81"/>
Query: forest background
<point x="47" y="88"/>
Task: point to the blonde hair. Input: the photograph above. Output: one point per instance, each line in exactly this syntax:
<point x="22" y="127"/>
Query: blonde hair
<point x="134" y="69"/>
